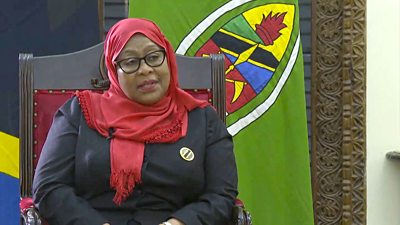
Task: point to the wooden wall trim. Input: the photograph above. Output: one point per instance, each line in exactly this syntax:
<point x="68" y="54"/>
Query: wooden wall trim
<point x="338" y="111"/>
<point x="100" y="9"/>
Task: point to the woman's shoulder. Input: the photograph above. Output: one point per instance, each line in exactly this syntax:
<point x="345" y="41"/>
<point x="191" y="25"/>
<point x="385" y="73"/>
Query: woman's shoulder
<point x="207" y="113"/>
<point x="209" y="109"/>
<point x="71" y="109"/>
<point x="208" y="118"/>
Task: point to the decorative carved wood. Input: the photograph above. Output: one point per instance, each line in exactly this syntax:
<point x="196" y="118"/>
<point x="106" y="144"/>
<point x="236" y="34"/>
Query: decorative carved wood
<point x="338" y="111"/>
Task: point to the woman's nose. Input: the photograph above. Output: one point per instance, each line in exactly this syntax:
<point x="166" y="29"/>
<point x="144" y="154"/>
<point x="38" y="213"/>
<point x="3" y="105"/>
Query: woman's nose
<point x="144" y="68"/>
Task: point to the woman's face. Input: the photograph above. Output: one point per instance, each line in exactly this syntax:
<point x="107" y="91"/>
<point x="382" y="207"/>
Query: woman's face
<point x="148" y="84"/>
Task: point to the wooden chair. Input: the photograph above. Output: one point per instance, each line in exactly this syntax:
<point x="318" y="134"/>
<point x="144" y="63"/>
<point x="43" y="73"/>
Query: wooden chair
<point x="47" y="82"/>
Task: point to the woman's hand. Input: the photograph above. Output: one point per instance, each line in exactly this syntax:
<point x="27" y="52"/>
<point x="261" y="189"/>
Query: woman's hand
<point x="173" y="221"/>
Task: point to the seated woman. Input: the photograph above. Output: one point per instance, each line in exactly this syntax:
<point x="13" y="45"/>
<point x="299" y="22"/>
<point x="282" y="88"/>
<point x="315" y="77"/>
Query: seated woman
<point x="144" y="152"/>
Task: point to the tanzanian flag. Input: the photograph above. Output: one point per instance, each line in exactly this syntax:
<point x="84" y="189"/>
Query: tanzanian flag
<point x="266" y="110"/>
<point x="9" y="175"/>
<point x="41" y="27"/>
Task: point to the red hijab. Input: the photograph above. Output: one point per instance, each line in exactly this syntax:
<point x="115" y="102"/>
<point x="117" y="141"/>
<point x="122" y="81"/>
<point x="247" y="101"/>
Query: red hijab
<point x="134" y="124"/>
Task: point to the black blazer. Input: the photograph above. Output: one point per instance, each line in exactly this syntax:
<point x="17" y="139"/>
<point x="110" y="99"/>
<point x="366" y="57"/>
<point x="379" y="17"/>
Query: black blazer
<point x="71" y="183"/>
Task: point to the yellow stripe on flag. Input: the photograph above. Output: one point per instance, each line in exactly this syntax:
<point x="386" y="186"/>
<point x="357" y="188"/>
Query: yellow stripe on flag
<point x="9" y="155"/>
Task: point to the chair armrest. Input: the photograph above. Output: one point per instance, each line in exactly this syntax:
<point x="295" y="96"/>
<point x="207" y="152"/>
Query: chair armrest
<point x="240" y="216"/>
<point x="28" y="212"/>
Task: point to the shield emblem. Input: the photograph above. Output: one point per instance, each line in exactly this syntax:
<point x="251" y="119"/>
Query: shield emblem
<point x="255" y="44"/>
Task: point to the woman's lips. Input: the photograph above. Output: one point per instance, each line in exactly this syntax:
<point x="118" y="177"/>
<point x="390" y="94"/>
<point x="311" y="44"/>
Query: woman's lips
<point x="148" y="86"/>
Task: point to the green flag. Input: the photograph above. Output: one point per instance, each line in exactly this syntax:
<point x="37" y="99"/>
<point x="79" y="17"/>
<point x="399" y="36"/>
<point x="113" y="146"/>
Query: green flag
<point x="265" y="93"/>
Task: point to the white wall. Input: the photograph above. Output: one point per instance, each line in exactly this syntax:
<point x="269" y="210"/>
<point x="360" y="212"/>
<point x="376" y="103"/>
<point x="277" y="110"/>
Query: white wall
<point x="383" y="111"/>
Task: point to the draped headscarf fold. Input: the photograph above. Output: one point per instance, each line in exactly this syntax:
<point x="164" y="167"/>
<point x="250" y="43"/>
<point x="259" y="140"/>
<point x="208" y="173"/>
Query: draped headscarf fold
<point x="131" y="124"/>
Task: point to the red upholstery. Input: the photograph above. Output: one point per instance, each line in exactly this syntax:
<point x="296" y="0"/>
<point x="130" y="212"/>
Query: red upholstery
<point x="25" y="204"/>
<point x="201" y="94"/>
<point x="45" y="105"/>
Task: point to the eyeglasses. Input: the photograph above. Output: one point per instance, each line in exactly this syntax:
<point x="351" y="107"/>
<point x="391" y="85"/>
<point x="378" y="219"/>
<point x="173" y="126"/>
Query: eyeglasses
<point x="132" y="64"/>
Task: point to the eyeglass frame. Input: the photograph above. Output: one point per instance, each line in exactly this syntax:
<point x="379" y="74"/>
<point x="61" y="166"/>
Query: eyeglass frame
<point x="118" y="63"/>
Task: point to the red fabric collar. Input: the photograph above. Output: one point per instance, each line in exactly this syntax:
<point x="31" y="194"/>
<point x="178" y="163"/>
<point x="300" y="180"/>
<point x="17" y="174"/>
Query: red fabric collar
<point x="134" y="124"/>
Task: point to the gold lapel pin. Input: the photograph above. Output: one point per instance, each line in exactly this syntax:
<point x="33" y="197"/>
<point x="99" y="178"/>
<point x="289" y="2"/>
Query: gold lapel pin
<point x="186" y="153"/>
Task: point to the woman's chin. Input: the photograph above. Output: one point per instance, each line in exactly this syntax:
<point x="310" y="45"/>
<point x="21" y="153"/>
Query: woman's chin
<point x="149" y="98"/>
